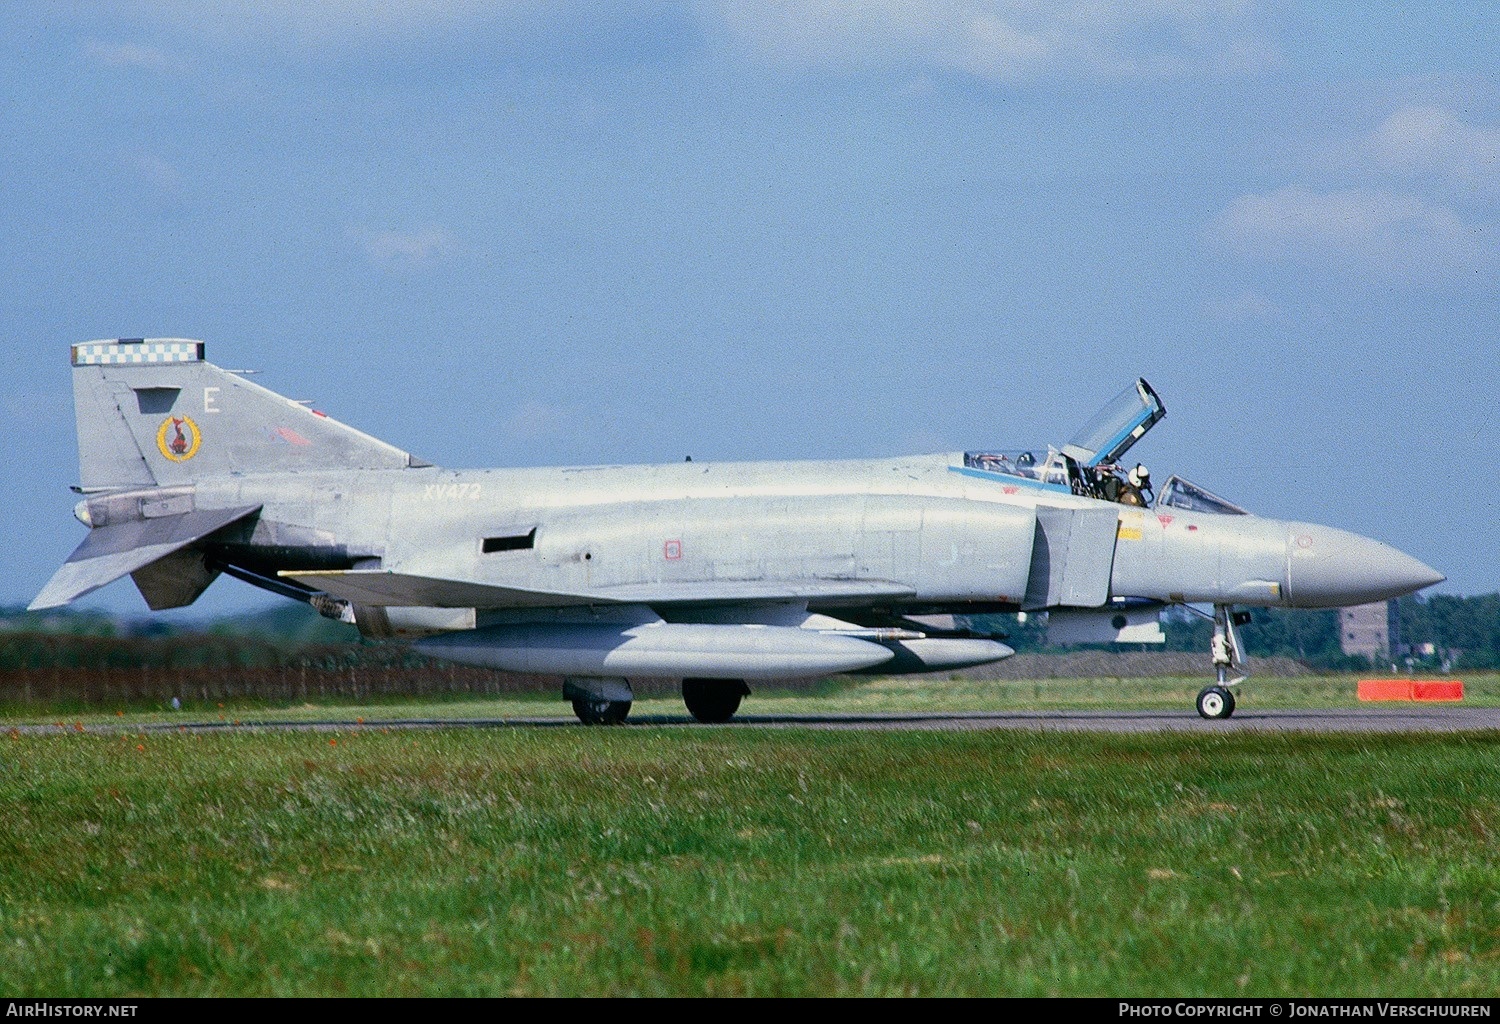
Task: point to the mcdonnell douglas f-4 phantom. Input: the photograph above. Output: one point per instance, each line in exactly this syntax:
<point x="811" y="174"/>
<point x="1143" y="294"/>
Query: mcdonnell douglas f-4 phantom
<point x="720" y="574"/>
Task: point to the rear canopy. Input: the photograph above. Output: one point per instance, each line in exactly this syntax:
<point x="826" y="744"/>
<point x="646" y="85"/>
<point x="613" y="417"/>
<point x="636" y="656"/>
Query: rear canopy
<point x="1117" y="426"/>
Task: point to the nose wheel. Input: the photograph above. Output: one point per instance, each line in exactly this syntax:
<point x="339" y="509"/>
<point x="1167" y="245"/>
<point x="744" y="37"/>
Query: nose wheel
<point x="1215" y="702"/>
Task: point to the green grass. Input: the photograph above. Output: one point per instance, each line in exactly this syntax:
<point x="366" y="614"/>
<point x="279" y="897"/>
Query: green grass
<point x="674" y="860"/>
<point x="852" y="695"/>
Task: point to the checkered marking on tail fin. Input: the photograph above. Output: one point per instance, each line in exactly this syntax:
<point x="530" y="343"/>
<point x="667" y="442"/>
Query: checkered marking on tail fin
<point x="137" y="351"/>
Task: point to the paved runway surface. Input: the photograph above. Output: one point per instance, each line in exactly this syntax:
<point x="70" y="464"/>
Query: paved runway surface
<point x="1446" y="718"/>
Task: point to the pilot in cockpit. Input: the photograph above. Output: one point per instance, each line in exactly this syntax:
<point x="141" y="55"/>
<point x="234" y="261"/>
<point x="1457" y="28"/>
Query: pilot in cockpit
<point x="1133" y="489"/>
<point x="1137" y="487"/>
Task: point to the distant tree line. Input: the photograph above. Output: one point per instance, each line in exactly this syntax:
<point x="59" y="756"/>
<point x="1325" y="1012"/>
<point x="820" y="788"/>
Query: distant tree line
<point x="1311" y="637"/>
<point x="1464" y="633"/>
<point x="25" y="650"/>
<point x="1465" y="630"/>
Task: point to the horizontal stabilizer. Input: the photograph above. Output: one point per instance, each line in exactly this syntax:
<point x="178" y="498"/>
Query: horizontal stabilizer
<point x="112" y="551"/>
<point x="378" y="587"/>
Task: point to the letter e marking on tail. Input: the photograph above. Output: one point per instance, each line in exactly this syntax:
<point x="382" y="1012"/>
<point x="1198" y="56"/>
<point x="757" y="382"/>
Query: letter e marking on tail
<point x="211" y="400"/>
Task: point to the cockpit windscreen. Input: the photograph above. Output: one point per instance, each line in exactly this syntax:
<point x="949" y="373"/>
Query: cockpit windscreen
<point x="1179" y="493"/>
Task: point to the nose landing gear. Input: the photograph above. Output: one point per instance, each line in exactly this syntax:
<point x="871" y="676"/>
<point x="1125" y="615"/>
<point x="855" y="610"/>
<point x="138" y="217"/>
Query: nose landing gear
<point x="1217" y="700"/>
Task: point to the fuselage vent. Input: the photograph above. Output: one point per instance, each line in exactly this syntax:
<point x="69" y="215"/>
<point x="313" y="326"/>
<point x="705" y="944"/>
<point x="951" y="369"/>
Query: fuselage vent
<point x="517" y="542"/>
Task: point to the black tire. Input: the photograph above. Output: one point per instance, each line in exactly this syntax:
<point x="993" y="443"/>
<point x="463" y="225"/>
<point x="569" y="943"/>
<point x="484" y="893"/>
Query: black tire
<point x="712" y="700"/>
<point x="601" y="712"/>
<point x="1215" y="702"/>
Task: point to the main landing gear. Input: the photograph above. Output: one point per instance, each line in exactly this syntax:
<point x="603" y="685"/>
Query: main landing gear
<point x="601" y="712"/>
<point x="1217" y="699"/>
<point x="599" y="701"/>
<point x="713" y="700"/>
<point x="607" y="701"/>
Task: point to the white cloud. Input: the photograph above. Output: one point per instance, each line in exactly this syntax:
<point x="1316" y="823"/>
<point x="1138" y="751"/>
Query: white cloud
<point x="1249" y="305"/>
<point x="1000" y="40"/>
<point x="995" y="40"/>
<point x="1361" y="229"/>
<point x="129" y="55"/>
<point x="153" y="170"/>
<point x="535" y="421"/>
<point x="329" y="23"/>
<point x="394" y="250"/>
<point x="1424" y="140"/>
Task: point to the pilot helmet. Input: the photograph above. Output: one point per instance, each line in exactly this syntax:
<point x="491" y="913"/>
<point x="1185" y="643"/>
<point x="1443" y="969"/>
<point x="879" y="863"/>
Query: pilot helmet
<point x="1140" y="476"/>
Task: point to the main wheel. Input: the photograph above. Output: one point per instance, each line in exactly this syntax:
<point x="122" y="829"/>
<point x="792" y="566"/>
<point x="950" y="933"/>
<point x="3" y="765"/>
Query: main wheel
<point x="712" y="700"/>
<point x="601" y="712"/>
<point x="1215" y="702"/>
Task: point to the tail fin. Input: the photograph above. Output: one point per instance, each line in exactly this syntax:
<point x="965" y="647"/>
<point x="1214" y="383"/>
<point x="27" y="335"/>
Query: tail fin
<point x="151" y="412"/>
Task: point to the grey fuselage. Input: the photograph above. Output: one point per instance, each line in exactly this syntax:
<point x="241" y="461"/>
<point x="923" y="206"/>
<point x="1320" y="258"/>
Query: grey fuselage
<point x="918" y="528"/>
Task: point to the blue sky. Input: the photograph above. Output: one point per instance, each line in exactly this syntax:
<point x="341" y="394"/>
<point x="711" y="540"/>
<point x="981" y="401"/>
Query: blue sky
<point x="524" y="233"/>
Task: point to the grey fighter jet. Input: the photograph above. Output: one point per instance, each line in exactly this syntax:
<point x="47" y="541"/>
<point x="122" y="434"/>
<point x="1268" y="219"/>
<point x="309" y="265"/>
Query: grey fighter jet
<point x="722" y="575"/>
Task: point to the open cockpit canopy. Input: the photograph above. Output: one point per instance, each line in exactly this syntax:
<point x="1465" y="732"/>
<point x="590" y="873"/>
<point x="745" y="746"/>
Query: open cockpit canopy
<point x="1089" y="464"/>
<point x="1117" y="426"/>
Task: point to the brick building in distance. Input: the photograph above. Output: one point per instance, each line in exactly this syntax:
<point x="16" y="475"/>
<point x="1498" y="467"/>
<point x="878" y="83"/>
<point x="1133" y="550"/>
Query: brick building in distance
<point x="1370" y="630"/>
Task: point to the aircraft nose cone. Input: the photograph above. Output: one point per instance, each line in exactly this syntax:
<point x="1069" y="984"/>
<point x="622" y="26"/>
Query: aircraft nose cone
<point x="1329" y="568"/>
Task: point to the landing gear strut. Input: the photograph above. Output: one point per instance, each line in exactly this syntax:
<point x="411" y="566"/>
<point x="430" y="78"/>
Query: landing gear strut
<point x="1217" y="700"/>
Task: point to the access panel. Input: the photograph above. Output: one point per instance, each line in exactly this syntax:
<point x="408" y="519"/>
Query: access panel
<point x="1071" y="557"/>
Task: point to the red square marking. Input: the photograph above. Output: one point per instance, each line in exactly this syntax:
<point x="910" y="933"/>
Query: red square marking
<point x="672" y="550"/>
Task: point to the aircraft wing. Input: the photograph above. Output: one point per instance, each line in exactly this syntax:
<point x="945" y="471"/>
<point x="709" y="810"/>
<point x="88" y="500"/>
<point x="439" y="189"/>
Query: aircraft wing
<point x="738" y="591"/>
<point x="109" y="552"/>
<point x="379" y="587"/>
<point x="404" y="590"/>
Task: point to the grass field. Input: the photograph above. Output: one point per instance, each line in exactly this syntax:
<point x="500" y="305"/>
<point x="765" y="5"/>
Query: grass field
<point x="676" y="860"/>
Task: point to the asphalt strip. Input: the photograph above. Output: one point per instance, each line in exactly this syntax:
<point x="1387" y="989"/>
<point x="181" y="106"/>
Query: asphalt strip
<point x="1446" y="718"/>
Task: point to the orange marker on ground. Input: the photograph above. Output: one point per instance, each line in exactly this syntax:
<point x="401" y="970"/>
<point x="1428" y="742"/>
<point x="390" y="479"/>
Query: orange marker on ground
<point x="1411" y="689"/>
